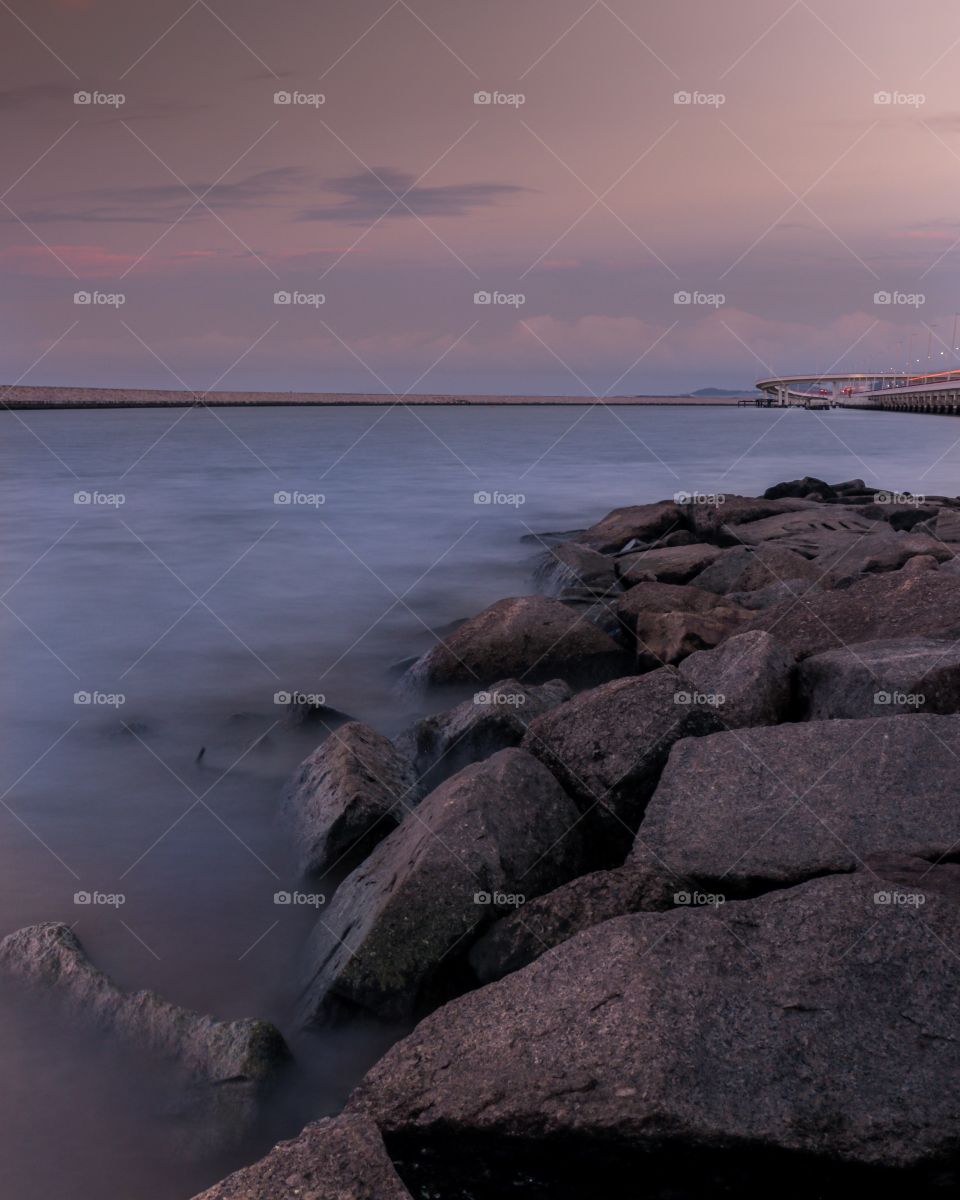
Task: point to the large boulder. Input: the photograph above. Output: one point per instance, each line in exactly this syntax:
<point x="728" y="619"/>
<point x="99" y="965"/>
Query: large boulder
<point x="748" y="568"/>
<point x="771" y="806"/>
<point x="884" y="678"/>
<point x="495" y="719"/>
<point x="516" y="940"/>
<point x="499" y="831"/>
<point x="222" y="1072"/>
<point x="608" y="746"/>
<point x="533" y="638"/>
<point x="665" y="639"/>
<point x="346" y="797"/>
<point x="672" y="564"/>
<point x="775" y="593"/>
<point x="842" y="562"/>
<point x="341" y="1158"/>
<point x="717" y="522"/>
<point x="663" y="598"/>
<point x="643" y="522"/>
<point x="748" y="680"/>
<point x="572" y="563"/>
<point x="799" y="1044"/>
<point x="879" y="606"/>
<point x="809" y="529"/>
<point x="806" y="486"/>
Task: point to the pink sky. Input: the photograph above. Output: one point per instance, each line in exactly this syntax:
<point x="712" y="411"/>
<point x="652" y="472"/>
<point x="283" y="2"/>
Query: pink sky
<point x="785" y="189"/>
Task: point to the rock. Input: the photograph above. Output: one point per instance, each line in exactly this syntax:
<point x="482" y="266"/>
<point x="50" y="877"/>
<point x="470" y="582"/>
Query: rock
<point x="571" y="563"/>
<point x="674" y="564"/>
<point x="745" y="569"/>
<point x="748" y="680"/>
<point x="599" y="608"/>
<point x="493" y="720"/>
<point x="718" y="522"/>
<point x="799" y="487"/>
<point x="755" y="1049"/>
<point x="876" y="553"/>
<point x="608" y="746"/>
<point x="341" y="1158"/>
<point x="879" y="606"/>
<point x="948" y="525"/>
<point x="662" y="598"/>
<point x="775" y="593"/>
<point x="532" y="638"/>
<point x="920" y="563"/>
<point x="810" y="530"/>
<point x="898" y="515"/>
<point x="306" y="711"/>
<point x="224" y="1070"/>
<point x="771" y="806"/>
<point x="501" y="828"/>
<point x="515" y="941"/>
<point x="665" y="639"/>
<point x="917" y="874"/>
<point x="645" y="522"/>
<point x="347" y="796"/>
<point x="884" y="678"/>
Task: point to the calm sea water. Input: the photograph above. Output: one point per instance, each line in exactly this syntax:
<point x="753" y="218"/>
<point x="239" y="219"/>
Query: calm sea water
<point x="196" y="599"/>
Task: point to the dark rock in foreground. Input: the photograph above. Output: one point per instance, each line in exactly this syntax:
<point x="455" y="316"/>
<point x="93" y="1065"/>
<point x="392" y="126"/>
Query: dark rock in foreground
<point x="748" y="680"/>
<point x="889" y="677"/>
<point x="347" y="796"/>
<point x="226" y="1068"/>
<point x="608" y="746"/>
<point x="531" y="638"/>
<point x="780" y="1046"/>
<point x="335" y="1159"/>
<point x="665" y="639"/>
<point x="498" y="830"/>
<point x="766" y="807"/>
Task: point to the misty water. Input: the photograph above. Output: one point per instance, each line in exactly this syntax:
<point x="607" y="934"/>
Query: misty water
<point x="197" y="599"/>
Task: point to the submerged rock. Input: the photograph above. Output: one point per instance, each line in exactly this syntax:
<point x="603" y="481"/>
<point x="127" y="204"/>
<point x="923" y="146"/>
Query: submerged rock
<point x="532" y="638"/>
<point x="498" y="831"/>
<point x="346" y="797"/>
<point x="341" y="1158"/>
<point x="798" y="1044"/>
<point x="226" y="1068"/>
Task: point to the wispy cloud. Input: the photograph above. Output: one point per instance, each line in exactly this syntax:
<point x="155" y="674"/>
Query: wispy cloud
<point x="367" y="195"/>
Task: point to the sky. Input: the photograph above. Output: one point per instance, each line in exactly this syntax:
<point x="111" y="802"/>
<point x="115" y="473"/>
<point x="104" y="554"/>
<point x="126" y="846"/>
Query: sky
<point x="652" y="197"/>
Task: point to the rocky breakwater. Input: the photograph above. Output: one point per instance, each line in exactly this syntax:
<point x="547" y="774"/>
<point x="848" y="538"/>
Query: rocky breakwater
<point x="675" y="897"/>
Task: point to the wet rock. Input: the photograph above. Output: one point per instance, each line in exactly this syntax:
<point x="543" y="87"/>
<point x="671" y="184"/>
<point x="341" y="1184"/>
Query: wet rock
<point x="773" y="806"/>
<point x="888" y="677"/>
<point x="748" y="679"/>
<point x="531" y="638"/>
<point x="600" y="608"/>
<point x="346" y="797"/>
<point x="758" y="1048"/>
<point x="341" y="1158"/>
<point x="879" y="606"/>
<point x="225" y="1069"/>
<point x="645" y="522"/>
<point x="497" y="830"/>
<point x="608" y="746"/>
<point x="493" y="720"/>
<point x="665" y="639"/>
<point x="571" y="563"/>
<point x="305" y="711"/>
<point x="799" y="488"/>
<point x="745" y="569"/>
<point x="674" y="564"/>
<point x="519" y="939"/>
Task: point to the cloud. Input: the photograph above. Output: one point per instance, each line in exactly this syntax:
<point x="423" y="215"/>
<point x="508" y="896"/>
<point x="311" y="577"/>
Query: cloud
<point x="370" y="194"/>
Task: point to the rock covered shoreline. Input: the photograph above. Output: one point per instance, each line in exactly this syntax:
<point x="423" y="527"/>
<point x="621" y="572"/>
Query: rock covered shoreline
<point x="674" y="894"/>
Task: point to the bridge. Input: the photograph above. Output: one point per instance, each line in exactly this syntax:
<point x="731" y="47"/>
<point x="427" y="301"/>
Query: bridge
<point x="937" y="392"/>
